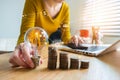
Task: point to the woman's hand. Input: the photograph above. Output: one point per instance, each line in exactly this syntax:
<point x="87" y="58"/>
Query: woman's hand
<point x="22" y="56"/>
<point x="77" y="40"/>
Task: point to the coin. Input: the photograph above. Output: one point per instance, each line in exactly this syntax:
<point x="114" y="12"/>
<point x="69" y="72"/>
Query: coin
<point x="84" y="64"/>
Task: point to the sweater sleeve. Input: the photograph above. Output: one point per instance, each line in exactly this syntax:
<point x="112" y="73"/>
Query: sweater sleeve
<point x="28" y="19"/>
<point x="66" y="35"/>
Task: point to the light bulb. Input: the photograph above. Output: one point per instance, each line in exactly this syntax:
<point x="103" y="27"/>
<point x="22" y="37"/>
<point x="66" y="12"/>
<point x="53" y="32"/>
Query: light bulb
<point x="36" y="36"/>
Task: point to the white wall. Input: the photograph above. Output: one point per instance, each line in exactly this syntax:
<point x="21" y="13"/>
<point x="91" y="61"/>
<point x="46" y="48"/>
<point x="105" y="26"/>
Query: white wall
<point x="10" y="18"/>
<point x="76" y="8"/>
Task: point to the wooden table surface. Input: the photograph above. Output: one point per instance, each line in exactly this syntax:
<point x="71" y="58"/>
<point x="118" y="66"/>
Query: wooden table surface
<point x="106" y="67"/>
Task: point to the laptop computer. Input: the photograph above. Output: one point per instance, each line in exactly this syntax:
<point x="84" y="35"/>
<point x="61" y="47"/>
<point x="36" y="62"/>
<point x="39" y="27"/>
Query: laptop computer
<point x="91" y="49"/>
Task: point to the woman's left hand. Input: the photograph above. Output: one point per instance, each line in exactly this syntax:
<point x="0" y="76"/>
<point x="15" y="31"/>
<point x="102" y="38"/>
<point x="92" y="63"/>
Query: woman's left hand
<point x="76" y="40"/>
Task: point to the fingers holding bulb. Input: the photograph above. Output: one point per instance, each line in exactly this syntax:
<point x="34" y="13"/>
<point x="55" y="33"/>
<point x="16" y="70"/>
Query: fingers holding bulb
<point x="16" y="59"/>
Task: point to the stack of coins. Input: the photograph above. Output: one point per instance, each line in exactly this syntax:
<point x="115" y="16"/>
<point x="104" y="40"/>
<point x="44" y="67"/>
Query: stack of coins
<point x="63" y="60"/>
<point x="84" y="64"/>
<point x="74" y="63"/>
<point x="52" y="57"/>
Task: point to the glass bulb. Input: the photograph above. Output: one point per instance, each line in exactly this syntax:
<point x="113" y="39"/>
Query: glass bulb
<point x="36" y="36"/>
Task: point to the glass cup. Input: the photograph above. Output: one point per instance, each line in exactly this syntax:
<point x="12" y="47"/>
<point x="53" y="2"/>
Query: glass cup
<point x="85" y="35"/>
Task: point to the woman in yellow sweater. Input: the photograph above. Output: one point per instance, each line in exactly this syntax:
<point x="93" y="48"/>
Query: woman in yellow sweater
<point x="51" y="15"/>
<point x="47" y="14"/>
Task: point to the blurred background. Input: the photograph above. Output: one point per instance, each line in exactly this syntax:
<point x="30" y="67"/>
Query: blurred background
<point x="84" y="14"/>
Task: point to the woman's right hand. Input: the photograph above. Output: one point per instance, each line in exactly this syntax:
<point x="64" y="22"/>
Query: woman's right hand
<point x="22" y="56"/>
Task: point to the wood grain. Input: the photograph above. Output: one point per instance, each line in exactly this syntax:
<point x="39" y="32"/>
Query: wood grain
<point x="106" y="67"/>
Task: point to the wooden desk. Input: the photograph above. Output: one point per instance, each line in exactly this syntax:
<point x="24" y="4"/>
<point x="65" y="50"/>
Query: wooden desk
<point x="103" y="68"/>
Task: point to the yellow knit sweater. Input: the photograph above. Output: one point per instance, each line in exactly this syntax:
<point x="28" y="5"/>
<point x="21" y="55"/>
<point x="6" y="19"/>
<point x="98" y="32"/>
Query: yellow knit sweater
<point x="34" y="14"/>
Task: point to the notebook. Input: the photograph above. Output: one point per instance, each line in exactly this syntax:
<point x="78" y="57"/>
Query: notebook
<point x="91" y="49"/>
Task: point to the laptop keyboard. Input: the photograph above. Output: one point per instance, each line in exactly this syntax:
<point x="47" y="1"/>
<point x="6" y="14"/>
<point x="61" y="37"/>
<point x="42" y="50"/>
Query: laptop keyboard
<point x="73" y="46"/>
<point x="86" y="48"/>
